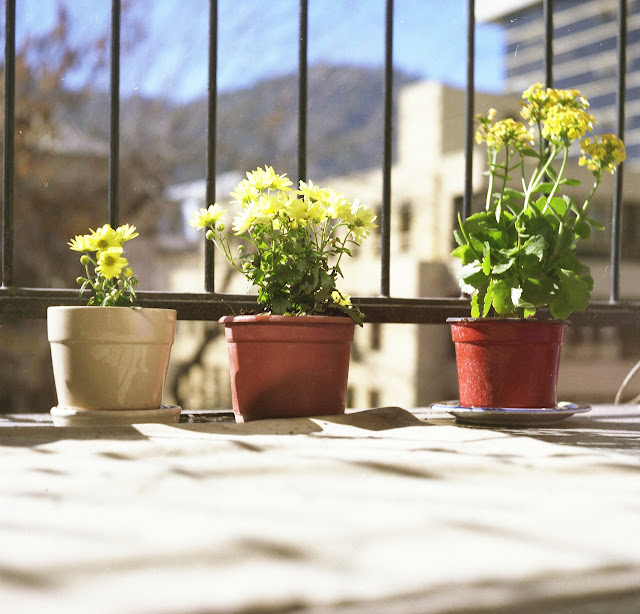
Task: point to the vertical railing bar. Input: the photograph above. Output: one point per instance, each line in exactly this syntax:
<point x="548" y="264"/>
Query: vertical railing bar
<point x="469" y="110"/>
<point x="303" y="88"/>
<point x="616" y="214"/>
<point x="9" y="142"/>
<point x="547" y="12"/>
<point x="385" y="218"/>
<point x="212" y="111"/>
<point x="114" y="115"/>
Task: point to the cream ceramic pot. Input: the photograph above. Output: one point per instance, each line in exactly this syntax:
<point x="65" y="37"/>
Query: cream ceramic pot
<point x="110" y="358"/>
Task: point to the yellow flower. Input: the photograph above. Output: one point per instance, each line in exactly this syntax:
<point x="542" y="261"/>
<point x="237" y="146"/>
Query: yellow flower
<point x="245" y="193"/>
<point x="126" y="233"/>
<point x="564" y="123"/>
<point x="604" y="154"/>
<point x="296" y="208"/>
<point x="509" y="132"/>
<point x="81" y="243"/>
<point x="313" y="192"/>
<point x="208" y="217"/>
<point x="104" y="238"/>
<point x="340" y="298"/>
<point x="111" y="262"/>
<point x="338" y="206"/>
<point x="244" y="220"/>
<point x="317" y="212"/>
<point x="541" y="101"/>
<point x="484" y="125"/>
<point x="361" y="221"/>
<point x="267" y="179"/>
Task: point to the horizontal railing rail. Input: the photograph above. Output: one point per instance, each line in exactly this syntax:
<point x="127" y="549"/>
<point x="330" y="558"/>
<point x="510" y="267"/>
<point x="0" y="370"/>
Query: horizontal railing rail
<point x="209" y="304"/>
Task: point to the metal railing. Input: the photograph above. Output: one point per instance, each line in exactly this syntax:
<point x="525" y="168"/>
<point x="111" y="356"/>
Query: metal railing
<point x="209" y="304"/>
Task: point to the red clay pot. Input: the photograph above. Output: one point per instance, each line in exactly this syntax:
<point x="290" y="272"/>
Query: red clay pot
<point x="507" y="363"/>
<point x="288" y="366"/>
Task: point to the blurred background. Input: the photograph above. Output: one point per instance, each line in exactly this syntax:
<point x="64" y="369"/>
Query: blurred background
<point x="62" y="148"/>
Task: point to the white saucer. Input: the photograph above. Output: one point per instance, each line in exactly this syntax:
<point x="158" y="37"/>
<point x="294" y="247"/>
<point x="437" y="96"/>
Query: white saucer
<point x="511" y="416"/>
<point x="74" y="416"/>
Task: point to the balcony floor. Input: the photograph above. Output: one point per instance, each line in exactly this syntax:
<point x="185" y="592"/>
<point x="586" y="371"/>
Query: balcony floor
<point x="380" y="510"/>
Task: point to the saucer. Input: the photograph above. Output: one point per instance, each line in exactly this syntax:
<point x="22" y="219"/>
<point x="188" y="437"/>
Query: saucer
<point x="74" y="416"/>
<point x="511" y="416"/>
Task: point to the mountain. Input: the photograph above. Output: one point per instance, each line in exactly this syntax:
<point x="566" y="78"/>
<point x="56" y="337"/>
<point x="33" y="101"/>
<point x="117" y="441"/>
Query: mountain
<point x="256" y="126"/>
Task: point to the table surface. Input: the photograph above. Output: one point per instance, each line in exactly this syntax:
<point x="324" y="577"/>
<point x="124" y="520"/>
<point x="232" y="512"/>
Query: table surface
<point x="381" y="510"/>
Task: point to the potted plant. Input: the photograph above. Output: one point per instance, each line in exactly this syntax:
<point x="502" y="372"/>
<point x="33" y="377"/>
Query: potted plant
<point x="110" y="358"/>
<point x="293" y="358"/>
<point x="519" y="254"/>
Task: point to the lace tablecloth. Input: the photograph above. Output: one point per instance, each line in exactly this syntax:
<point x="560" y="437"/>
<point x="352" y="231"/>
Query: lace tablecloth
<point x="383" y="510"/>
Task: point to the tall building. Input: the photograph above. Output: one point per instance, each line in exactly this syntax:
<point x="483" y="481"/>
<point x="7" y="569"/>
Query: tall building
<point x="584" y="54"/>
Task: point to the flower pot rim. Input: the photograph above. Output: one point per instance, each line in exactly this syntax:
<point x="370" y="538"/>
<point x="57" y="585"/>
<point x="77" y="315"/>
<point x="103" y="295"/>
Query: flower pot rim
<point x="285" y="319"/>
<point x="102" y="307"/>
<point x="473" y="320"/>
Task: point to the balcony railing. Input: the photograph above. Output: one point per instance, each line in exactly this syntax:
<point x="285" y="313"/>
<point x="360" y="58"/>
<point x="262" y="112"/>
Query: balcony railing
<point x="210" y="304"/>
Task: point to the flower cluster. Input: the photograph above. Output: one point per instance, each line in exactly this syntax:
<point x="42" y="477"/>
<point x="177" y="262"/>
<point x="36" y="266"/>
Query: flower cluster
<point x="108" y="274"/>
<point x="506" y="132"/>
<point x="519" y="254"/>
<point x="297" y="239"/>
<point x="603" y="154"/>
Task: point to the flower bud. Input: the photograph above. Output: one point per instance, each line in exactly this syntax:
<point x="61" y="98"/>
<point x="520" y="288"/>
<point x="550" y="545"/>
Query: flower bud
<point x="240" y="248"/>
<point x="220" y="227"/>
<point x="79" y="280"/>
<point x="85" y="260"/>
<point x="127" y="272"/>
<point x="210" y="235"/>
<point x="246" y="266"/>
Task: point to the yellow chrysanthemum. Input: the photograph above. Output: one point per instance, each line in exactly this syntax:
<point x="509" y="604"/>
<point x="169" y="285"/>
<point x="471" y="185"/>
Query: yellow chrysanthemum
<point x="296" y="208"/>
<point x="604" y="153"/>
<point x="126" y="233"/>
<point x="317" y="212"/>
<point x="266" y="178"/>
<point x="244" y="220"/>
<point x="81" y="243"/>
<point x="361" y="221"/>
<point x="338" y="206"/>
<point x="314" y="192"/>
<point x="104" y="238"/>
<point x="245" y="193"/>
<point x="208" y="217"/>
<point x="111" y="262"/>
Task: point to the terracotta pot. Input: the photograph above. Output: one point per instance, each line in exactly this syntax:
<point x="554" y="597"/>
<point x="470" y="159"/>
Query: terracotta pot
<point x="507" y="363"/>
<point x="288" y="366"/>
<point x="109" y="359"/>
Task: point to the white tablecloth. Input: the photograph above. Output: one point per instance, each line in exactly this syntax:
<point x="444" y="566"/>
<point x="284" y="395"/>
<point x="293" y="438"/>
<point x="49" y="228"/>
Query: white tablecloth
<point x="381" y="510"/>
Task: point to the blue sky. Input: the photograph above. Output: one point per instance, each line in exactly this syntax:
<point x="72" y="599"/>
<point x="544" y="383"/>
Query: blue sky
<point x="258" y="39"/>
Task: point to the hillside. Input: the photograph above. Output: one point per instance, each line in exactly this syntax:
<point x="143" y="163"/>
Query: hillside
<point x="256" y="125"/>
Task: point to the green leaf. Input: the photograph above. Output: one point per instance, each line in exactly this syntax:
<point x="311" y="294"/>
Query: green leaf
<point x="594" y="224"/>
<point x="486" y="261"/>
<point x="475" y="309"/>
<point x="503" y="267"/>
<point x="535" y="246"/>
<point x="488" y="300"/>
<point x="573" y="294"/>
<point x="582" y="229"/>
<point x="501" y="291"/>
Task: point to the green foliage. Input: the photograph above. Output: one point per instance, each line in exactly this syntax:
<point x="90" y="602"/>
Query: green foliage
<point x="519" y="254"/>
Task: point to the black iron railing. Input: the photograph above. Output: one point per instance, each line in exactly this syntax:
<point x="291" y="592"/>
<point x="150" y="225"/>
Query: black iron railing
<point x="209" y="304"/>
